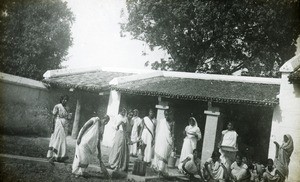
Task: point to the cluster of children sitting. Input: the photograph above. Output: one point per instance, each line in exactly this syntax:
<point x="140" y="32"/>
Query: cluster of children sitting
<point x="240" y="170"/>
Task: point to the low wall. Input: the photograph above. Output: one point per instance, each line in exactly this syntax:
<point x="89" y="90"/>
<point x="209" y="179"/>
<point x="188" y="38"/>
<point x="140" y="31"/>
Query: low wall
<point x="24" y="106"/>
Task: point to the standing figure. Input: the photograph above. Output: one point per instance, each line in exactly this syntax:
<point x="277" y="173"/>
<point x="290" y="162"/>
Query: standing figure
<point x="164" y="143"/>
<point x="58" y="144"/>
<point x="148" y="135"/>
<point x="283" y="154"/>
<point x="228" y="145"/>
<point x="136" y="122"/>
<point x="88" y="141"/>
<point x="119" y="155"/>
<point x="193" y="134"/>
<point x="214" y="169"/>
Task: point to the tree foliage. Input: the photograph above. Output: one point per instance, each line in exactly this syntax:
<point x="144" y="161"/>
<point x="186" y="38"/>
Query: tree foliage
<point x="34" y="36"/>
<point x="217" y="36"/>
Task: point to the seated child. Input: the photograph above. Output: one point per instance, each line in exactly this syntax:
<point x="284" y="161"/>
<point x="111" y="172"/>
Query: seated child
<point x="270" y="175"/>
<point x="239" y="170"/>
<point x="191" y="165"/>
<point x="253" y="172"/>
<point x="215" y="169"/>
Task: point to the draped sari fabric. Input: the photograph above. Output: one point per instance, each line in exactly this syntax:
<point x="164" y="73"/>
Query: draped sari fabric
<point x="163" y="146"/>
<point x="239" y="171"/>
<point x="58" y="144"/>
<point x="271" y="176"/>
<point x="148" y="137"/>
<point x="229" y="142"/>
<point x="134" y="134"/>
<point x="190" y="141"/>
<point x="86" y="148"/>
<point x="283" y="158"/>
<point x="119" y="155"/>
<point x="191" y="166"/>
<point x="216" y="169"/>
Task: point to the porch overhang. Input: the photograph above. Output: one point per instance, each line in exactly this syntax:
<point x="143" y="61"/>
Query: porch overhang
<point x="219" y="91"/>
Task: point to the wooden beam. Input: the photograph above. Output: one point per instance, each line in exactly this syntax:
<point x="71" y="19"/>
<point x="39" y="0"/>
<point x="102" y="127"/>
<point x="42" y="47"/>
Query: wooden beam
<point x="75" y="129"/>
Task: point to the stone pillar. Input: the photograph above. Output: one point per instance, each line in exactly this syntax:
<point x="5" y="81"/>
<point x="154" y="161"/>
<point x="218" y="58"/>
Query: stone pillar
<point x="76" y="120"/>
<point x="161" y="107"/>
<point x="112" y="111"/>
<point x="210" y="132"/>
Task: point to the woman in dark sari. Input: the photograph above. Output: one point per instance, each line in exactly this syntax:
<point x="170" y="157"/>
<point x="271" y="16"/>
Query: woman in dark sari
<point x="119" y="155"/>
<point x="283" y="154"/>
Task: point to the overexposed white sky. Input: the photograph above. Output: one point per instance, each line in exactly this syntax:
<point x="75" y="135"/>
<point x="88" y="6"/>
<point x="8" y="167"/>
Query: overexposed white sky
<point x="97" y="41"/>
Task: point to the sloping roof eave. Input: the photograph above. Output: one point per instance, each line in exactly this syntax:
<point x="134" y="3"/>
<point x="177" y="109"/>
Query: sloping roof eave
<point x="199" y="98"/>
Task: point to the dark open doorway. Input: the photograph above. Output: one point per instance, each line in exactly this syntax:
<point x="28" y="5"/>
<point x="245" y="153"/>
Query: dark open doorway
<point x="253" y="125"/>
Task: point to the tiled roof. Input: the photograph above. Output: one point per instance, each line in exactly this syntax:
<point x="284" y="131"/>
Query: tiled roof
<point x="204" y="90"/>
<point x="93" y="81"/>
<point x="295" y="76"/>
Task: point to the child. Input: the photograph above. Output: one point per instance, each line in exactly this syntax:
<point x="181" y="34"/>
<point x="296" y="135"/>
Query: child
<point x="239" y="169"/>
<point x="253" y="172"/>
<point x="191" y="165"/>
<point x="215" y="169"/>
<point x="271" y="174"/>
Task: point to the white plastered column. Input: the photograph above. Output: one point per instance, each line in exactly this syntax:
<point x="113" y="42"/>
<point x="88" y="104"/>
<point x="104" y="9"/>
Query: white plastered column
<point x="161" y="107"/>
<point x="210" y="132"/>
<point x="112" y="111"/>
<point x="286" y="117"/>
<point x="75" y="129"/>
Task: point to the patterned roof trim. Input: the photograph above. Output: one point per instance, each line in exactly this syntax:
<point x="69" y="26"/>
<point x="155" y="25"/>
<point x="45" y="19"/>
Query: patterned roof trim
<point x="95" y="81"/>
<point x="192" y="97"/>
<point x="204" y="90"/>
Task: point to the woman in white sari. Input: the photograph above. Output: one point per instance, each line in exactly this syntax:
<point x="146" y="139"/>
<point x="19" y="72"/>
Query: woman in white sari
<point x="148" y="135"/>
<point x="164" y="143"/>
<point x="88" y="141"/>
<point x="193" y="134"/>
<point x="136" y="122"/>
<point x="58" y="144"/>
<point x="228" y="146"/>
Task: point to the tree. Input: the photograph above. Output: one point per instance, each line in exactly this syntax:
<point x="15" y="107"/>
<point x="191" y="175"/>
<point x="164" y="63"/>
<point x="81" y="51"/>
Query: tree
<point x="217" y="36"/>
<point x="34" y="36"/>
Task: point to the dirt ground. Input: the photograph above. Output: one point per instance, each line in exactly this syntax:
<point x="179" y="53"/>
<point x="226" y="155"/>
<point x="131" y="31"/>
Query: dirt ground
<point x="32" y="171"/>
<point x="38" y="147"/>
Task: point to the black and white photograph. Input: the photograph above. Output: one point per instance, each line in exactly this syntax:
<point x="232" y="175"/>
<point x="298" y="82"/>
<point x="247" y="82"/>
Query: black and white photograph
<point x="150" y="90"/>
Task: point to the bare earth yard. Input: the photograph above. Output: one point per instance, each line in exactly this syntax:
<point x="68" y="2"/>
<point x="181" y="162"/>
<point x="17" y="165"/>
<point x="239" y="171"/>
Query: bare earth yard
<point x="16" y="170"/>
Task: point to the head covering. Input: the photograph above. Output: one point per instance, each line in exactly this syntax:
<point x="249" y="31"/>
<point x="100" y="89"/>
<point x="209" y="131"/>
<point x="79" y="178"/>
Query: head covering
<point x="196" y="124"/>
<point x="289" y="145"/>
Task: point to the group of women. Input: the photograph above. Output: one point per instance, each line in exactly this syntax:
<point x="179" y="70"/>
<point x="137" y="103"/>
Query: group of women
<point x="154" y="140"/>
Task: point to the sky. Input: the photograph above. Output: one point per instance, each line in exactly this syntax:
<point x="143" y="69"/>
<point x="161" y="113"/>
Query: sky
<point x="97" y="41"/>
